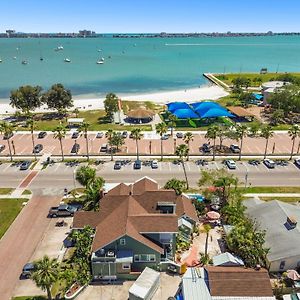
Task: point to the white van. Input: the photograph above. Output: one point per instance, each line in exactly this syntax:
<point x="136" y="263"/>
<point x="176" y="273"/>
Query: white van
<point x="104" y="148"/>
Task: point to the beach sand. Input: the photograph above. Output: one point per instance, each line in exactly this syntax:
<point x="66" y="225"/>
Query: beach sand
<point x="86" y="102"/>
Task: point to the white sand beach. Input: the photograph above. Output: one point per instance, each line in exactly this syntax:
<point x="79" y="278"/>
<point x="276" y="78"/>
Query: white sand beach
<point x="85" y="102"/>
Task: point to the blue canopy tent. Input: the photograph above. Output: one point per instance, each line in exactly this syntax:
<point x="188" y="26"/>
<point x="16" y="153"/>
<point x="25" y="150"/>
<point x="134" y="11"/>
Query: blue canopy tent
<point x="185" y="113"/>
<point x="216" y="112"/>
<point x="177" y="105"/>
<point x="204" y="104"/>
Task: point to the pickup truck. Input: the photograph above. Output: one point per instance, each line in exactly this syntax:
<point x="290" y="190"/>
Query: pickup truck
<point x="63" y="210"/>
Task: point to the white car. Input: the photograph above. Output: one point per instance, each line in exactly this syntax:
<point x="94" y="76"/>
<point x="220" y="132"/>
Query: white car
<point x="269" y="163"/>
<point x="230" y="164"/>
<point x="154" y="164"/>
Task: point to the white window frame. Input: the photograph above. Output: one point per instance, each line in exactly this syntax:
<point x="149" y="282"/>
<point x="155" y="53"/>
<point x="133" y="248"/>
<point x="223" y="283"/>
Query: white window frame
<point x="126" y="266"/>
<point x="149" y="258"/>
<point x="123" y="242"/>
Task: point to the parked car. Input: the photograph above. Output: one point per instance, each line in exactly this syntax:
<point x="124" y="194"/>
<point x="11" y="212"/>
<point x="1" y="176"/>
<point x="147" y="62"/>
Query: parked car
<point x="103" y="148"/>
<point x="38" y="148"/>
<point x="8" y="136"/>
<point x="269" y="163"/>
<point x="230" y="164"/>
<point x="124" y="134"/>
<point x="99" y="135"/>
<point x="75" y="135"/>
<point x="75" y="148"/>
<point x="137" y="165"/>
<point x="27" y="271"/>
<point x="25" y="165"/>
<point x="118" y="165"/>
<point x="154" y="164"/>
<point x="42" y="134"/>
<point x="165" y="136"/>
<point x="2" y="147"/>
<point x="206" y="148"/>
<point x="235" y="148"/>
<point x="297" y="162"/>
<point x="63" y="210"/>
<point x="179" y="135"/>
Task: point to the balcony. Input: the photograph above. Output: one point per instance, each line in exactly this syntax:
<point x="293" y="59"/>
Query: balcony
<point x="104" y="256"/>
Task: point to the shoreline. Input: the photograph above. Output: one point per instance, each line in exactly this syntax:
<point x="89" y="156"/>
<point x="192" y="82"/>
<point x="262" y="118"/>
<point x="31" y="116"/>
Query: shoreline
<point x="89" y="102"/>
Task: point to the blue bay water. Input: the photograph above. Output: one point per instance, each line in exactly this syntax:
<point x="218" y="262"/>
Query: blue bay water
<point x="139" y="65"/>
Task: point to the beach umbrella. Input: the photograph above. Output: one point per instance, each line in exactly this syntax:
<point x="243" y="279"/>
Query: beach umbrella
<point x="293" y="274"/>
<point x="213" y="215"/>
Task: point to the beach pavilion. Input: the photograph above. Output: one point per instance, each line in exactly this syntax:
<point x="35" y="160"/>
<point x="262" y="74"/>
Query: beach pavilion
<point x="139" y="116"/>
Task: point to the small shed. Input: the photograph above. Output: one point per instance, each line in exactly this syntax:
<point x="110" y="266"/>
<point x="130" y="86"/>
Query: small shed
<point x="145" y="286"/>
<point x="227" y="260"/>
<point x="75" y="121"/>
<point x="240" y="112"/>
<point x="140" y="115"/>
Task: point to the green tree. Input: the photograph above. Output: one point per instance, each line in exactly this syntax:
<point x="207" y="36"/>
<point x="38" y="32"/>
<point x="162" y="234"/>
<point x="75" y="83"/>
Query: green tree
<point x="188" y="137"/>
<point x="92" y="194"/>
<point x="233" y="212"/>
<point x="58" y="98"/>
<point x="136" y="134"/>
<point x="32" y="125"/>
<point x="223" y="133"/>
<point x="60" y="133"/>
<point x="109" y="134"/>
<point x="161" y="129"/>
<point x="26" y="98"/>
<point x="45" y="274"/>
<point x="175" y="184"/>
<point x="254" y="129"/>
<point x="85" y="175"/>
<point x="226" y="183"/>
<point x="293" y="132"/>
<point x="84" y="127"/>
<point x="182" y="151"/>
<point x="246" y="98"/>
<point x="172" y="122"/>
<point x="76" y="112"/>
<point x="241" y="131"/>
<point x="212" y="134"/>
<point x="7" y="130"/>
<point x="206" y="228"/>
<point x="111" y="105"/>
<point x="277" y="116"/>
<point x="116" y="140"/>
<point x="266" y="133"/>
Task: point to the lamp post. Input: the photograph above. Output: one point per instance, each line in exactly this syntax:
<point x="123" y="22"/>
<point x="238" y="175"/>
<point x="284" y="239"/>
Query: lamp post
<point x="150" y="147"/>
<point x="246" y="178"/>
<point x="74" y="178"/>
<point x="298" y="148"/>
<point x="174" y="145"/>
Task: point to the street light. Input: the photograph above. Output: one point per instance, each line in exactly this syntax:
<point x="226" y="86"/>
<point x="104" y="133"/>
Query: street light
<point x="246" y="178"/>
<point x="74" y="178"/>
<point x="174" y="145"/>
<point x="150" y="147"/>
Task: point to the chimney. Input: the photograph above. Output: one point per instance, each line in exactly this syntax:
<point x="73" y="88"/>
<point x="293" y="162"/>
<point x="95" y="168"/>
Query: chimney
<point x="292" y="222"/>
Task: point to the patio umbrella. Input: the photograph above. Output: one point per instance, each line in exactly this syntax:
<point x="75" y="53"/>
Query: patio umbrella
<point x="293" y="274"/>
<point x="213" y="215"/>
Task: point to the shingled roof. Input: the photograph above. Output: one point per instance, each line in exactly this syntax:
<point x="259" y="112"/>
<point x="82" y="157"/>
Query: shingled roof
<point x="238" y="282"/>
<point x="132" y="210"/>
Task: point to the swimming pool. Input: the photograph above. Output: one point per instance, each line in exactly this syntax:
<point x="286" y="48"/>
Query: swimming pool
<point x="196" y="197"/>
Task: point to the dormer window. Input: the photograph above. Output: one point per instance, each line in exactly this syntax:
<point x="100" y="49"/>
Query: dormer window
<point x="166" y="207"/>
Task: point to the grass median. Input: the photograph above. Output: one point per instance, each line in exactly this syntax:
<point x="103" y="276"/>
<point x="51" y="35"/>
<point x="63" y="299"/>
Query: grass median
<point x="9" y="210"/>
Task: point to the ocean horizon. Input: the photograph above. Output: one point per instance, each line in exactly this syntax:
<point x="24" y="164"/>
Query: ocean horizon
<point x="138" y="65"/>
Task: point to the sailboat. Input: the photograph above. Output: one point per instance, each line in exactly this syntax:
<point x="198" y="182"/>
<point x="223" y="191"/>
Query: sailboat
<point x="100" y="62"/>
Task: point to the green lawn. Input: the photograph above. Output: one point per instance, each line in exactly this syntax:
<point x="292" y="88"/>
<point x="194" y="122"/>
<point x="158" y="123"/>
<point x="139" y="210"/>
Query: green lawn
<point x="271" y="189"/>
<point x="9" y="209"/>
<point x="227" y="78"/>
<point x="29" y="298"/>
<point x="283" y="199"/>
<point x="27" y="192"/>
<point x="6" y="191"/>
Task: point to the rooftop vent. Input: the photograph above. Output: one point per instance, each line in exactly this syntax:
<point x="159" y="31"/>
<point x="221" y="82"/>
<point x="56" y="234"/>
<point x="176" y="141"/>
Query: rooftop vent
<point x="292" y="222"/>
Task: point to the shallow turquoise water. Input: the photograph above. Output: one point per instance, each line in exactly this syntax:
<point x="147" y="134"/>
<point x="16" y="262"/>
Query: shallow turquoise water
<point x="139" y="65"/>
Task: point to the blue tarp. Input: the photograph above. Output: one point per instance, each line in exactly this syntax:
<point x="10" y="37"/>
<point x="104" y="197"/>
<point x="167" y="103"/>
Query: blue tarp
<point x="177" y="105"/>
<point x="185" y="113"/>
<point x="258" y="96"/>
<point x="216" y="112"/>
<point x="206" y="104"/>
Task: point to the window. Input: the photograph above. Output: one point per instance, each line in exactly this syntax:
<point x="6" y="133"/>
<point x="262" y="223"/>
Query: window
<point x="282" y="264"/>
<point x="126" y="266"/>
<point x="144" y="258"/>
<point x="122" y="242"/>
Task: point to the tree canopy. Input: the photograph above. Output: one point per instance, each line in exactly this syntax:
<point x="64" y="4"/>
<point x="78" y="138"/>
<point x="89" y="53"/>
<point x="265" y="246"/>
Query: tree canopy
<point x="85" y="174"/>
<point x="26" y="98"/>
<point x="175" y="184"/>
<point x="110" y="104"/>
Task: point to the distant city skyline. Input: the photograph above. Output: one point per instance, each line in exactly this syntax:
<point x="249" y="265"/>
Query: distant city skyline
<point x="133" y="16"/>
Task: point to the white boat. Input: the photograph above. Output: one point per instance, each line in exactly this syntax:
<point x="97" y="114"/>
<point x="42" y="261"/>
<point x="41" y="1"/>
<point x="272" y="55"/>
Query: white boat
<point x="67" y="60"/>
<point x="100" y="62"/>
<point x="59" y="48"/>
<point x="0" y="60"/>
<point x="14" y="57"/>
<point x="99" y="50"/>
<point x="24" y="62"/>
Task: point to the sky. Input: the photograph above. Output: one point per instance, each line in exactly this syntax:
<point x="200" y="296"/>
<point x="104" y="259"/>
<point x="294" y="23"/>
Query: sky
<point x="150" y="15"/>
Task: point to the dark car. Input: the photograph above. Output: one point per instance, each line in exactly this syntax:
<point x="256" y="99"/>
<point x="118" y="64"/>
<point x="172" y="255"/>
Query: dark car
<point x="75" y="148"/>
<point x="2" y="147"/>
<point x="124" y="134"/>
<point x="25" y="165"/>
<point x="75" y="135"/>
<point x="206" y="148"/>
<point x="297" y="162"/>
<point x="137" y="165"/>
<point x="118" y="165"/>
<point x="27" y="271"/>
<point x="42" y="134"/>
<point x="38" y="148"/>
<point x="179" y="135"/>
<point x="7" y="136"/>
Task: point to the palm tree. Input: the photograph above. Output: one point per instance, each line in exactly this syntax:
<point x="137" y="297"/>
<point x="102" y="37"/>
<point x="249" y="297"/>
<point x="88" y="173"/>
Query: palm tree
<point x="172" y="122"/>
<point x="241" y="132"/>
<point x="212" y="133"/>
<point x="84" y="128"/>
<point x="92" y="194"/>
<point x="60" y="133"/>
<point x="175" y="184"/>
<point x="136" y="134"/>
<point x="31" y="125"/>
<point x="293" y="132"/>
<point x="109" y="134"/>
<point x="225" y="183"/>
<point x="206" y="229"/>
<point x="188" y="137"/>
<point x="182" y="151"/>
<point x="267" y="133"/>
<point x="161" y="129"/>
<point x="7" y="130"/>
<point x="76" y="112"/>
<point x="45" y="274"/>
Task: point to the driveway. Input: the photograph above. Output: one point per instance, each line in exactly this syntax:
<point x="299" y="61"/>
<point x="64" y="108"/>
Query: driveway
<point x="20" y="241"/>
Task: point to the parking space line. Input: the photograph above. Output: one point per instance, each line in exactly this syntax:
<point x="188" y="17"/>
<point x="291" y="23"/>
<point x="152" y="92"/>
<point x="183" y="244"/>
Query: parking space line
<point x="6" y="167"/>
